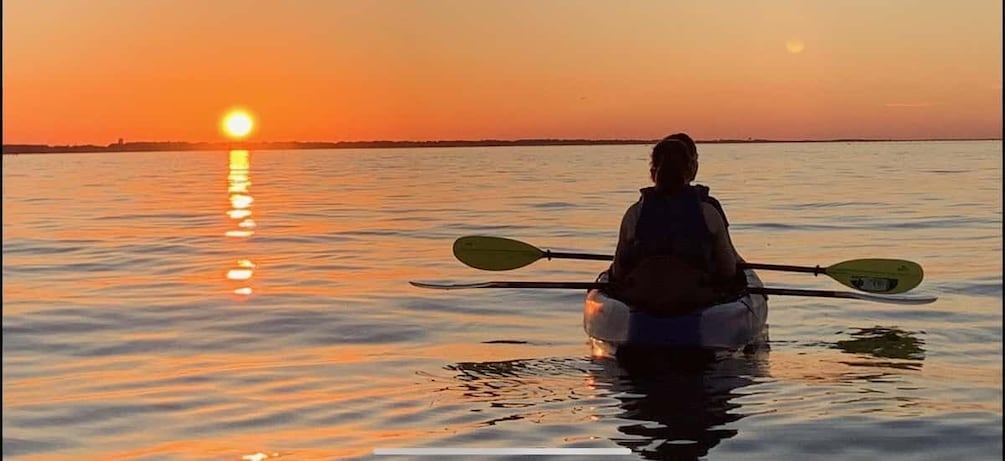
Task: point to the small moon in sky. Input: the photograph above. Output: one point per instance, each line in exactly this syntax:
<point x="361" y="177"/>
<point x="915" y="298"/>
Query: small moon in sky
<point x="794" y="46"/>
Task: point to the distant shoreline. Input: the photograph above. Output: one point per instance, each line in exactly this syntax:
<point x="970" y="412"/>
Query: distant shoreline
<point x="14" y="149"/>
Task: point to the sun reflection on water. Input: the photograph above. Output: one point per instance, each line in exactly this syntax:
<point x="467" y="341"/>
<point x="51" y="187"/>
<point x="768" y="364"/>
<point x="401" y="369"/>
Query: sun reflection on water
<point x="239" y="183"/>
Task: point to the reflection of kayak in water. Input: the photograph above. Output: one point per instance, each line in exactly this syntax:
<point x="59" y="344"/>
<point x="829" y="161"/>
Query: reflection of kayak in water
<point x="658" y="410"/>
<point x="680" y="410"/>
<point x="613" y="325"/>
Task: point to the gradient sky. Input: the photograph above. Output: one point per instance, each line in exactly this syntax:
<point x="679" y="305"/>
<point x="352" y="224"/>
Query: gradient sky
<point x="92" y="71"/>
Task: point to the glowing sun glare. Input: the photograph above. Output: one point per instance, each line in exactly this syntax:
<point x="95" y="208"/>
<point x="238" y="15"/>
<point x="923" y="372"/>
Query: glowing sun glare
<point x="795" y="46"/>
<point x="237" y="124"/>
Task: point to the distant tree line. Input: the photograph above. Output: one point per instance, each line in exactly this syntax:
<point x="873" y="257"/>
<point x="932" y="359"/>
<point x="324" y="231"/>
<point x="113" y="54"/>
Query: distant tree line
<point x="154" y="146"/>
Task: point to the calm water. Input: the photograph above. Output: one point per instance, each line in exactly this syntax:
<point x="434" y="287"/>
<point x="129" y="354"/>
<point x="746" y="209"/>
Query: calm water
<point x="232" y="305"/>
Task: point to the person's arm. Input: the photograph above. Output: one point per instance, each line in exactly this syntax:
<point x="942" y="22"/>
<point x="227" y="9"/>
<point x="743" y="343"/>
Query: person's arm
<point x="626" y="236"/>
<point x="725" y="256"/>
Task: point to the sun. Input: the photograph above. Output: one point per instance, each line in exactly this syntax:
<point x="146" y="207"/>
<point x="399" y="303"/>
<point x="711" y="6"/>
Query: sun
<point x="237" y="124"/>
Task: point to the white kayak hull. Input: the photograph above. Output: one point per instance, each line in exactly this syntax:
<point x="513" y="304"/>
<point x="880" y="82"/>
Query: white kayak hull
<point x="613" y="325"/>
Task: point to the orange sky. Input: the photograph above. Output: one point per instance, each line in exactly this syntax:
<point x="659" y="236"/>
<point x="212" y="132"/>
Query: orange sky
<point x="92" y="71"/>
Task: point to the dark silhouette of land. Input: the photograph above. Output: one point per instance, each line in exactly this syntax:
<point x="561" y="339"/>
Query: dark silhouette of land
<point x="249" y="145"/>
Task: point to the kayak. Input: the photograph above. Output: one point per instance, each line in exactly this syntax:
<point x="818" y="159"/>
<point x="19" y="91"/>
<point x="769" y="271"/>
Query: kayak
<point x="614" y="326"/>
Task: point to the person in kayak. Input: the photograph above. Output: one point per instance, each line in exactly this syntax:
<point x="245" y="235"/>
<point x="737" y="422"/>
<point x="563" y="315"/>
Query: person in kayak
<point x="674" y="253"/>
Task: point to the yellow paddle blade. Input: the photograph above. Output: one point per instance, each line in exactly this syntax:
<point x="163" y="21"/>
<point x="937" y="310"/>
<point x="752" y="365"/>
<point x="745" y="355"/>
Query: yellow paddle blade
<point x="883" y="276"/>
<point x="495" y="253"/>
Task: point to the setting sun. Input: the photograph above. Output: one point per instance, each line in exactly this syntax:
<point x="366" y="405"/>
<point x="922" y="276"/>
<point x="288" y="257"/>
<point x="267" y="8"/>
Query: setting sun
<point x="237" y="124"/>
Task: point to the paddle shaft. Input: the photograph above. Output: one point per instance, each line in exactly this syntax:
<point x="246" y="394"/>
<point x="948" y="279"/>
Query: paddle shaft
<point x="560" y="255"/>
<point x="550" y="285"/>
<point x="782" y="267"/>
<point x="548" y="254"/>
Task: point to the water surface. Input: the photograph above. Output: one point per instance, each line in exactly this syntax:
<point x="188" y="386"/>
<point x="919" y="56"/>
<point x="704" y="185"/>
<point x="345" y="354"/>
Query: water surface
<point x="229" y="305"/>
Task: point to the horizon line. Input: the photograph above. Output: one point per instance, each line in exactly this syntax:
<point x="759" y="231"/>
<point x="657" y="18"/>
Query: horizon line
<point x="162" y="146"/>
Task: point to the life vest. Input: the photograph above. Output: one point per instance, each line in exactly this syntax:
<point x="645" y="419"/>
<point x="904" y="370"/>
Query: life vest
<point x="670" y="265"/>
<point x="674" y="225"/>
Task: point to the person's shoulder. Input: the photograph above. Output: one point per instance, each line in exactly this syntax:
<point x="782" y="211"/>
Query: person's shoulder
<point x="636" y="205"/>
<point x="631" y="216"/>
<point x="634" y="208"/>
<point x="710" y="207"/>
<point x="714" y="218"/>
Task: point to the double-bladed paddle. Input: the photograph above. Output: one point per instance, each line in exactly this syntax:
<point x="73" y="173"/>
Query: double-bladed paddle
<point x="754" y="290"/>
<point x="873" y="275"/>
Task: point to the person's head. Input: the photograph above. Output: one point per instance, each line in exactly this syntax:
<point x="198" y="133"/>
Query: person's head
<point x="672" y="164"/>
<point x="692" y="147"/>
